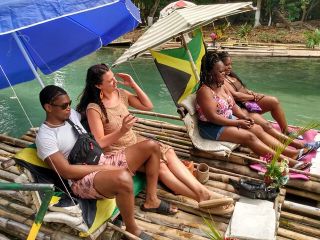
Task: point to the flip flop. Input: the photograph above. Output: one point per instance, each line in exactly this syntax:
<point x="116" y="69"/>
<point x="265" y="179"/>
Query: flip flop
<point x="313" y="146"/>
<point x="215" y="202"/>
<point x="302" y="165"/>
<point x="221" y="210"/>
<point x="164" y="208"/>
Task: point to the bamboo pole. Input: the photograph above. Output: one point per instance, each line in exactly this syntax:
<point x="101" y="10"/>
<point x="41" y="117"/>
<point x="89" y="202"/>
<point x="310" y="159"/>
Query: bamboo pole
<point x="301" y="219"/>
<point x="28" y="139"/>
<point x="13" y="141"/>
<point x="9" y="148"/>
<point x="283" y="238"/>
<point x="309" y="186"/>
<point x="3" y="237"/>
<point x="294" y="235"/>
<point x="13" y="227"/>
<point x="222" y="177"/>
<point x="303" y="209"/>
<point x="220" y="185"/>
<point x="29" y="222"/>
<point x="8" y="163"/>
<point x="160" y="132"/>
<point x="23" y="198"/>
<point x="212" y="156"/>
<point x="234" y="196"/>
<point x="304" y="194"/>
<point x="170" y="139"/>
<point x="148" y="113"/>
<point x="19" y="208"/>
<point x="7" y="175"/>
<point x="162" y="125"/>
<point x="5" y="153"/>
<point x="186" y="223"/>
<point x="168" y="131"/>
<point x="168" y="232"/>
<point x="297" y="227"/>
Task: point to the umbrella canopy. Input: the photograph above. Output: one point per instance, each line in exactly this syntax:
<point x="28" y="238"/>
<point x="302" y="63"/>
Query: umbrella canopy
<point x="179" y="22"/>
<point x="51" y="34"/>
<point x="173" y="6"/>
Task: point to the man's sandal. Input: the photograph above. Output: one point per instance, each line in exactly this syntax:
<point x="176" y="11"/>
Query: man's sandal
<point x="164" y="208"/>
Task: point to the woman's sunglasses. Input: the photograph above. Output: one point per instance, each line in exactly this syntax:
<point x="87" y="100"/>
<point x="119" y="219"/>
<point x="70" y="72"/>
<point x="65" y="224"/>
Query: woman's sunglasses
<point x="63" y="106"/>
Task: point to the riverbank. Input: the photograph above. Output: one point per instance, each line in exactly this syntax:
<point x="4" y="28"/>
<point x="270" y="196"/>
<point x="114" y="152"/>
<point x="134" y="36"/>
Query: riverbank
<point x="261" y="41"/>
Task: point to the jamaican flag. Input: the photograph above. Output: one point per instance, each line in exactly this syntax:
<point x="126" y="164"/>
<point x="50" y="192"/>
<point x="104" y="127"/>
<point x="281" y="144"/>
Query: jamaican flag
<point x="175" y="67"/>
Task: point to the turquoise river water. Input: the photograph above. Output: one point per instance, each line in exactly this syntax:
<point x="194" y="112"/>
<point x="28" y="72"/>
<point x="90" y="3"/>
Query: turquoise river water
<point x="295" y="81"/>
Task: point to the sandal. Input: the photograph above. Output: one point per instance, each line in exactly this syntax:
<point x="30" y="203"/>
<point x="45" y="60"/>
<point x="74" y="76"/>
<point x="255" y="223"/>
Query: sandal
<point x="215" y="202"/>
<point x="302" y="165"/>
<point x="145" y="236"/>
<point x="164" y="208"/>
<point x="313" y="146"/>
<point x="221" y="210"/>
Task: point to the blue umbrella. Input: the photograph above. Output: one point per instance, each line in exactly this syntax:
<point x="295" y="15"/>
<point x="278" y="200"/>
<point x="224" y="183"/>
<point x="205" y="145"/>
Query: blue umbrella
<point x="50" y="34"/>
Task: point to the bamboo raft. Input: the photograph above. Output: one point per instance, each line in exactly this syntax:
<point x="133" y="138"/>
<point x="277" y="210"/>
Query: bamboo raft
<point x="294" y="220"/>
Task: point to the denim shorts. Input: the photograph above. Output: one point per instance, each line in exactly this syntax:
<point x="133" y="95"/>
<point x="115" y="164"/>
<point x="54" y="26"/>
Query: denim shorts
<point x="211" y="131"/>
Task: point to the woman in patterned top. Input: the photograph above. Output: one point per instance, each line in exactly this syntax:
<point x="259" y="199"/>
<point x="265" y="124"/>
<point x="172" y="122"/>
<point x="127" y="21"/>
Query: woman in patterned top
<point x="221" y="119"/>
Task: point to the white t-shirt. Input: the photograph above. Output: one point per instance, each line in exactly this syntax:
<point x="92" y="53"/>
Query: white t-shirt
<point x="51" y="140"/>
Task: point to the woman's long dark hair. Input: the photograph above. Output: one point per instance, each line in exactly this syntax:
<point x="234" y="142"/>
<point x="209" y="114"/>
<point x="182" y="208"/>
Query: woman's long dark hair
<point x="223" y="55"/>
<point x="91" y="94"/>
<point x="207" y="63"/>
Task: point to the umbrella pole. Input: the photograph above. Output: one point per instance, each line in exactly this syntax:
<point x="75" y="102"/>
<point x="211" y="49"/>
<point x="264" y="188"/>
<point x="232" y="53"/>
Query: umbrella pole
<point x="193" y="66"/>
<point x="27" y="58"/>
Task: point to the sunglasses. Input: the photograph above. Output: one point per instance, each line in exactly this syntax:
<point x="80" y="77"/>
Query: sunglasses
<point x="63" y="106"/>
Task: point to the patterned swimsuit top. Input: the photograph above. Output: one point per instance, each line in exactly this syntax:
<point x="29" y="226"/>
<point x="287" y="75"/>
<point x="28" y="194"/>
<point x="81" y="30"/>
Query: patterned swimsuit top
<point x="224" y="107"/>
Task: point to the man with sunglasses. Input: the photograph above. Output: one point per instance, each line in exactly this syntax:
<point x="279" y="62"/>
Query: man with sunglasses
<point x="112" y="177"/>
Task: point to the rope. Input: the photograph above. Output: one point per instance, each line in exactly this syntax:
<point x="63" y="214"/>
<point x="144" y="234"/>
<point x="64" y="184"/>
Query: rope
<point x="16" y="97"/>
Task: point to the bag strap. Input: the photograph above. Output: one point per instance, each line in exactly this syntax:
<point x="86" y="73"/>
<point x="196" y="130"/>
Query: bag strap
<point x="76" y="128"/>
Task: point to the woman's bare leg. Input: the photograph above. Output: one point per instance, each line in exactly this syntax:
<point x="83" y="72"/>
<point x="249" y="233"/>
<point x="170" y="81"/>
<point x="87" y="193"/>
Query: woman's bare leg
<point x="173" y="183"/>
<point x="193" y="187"/>
<point x="272" y="104"/>
<point x="267" y="127"/>
<point x="272" y="142"/>
<point x="119" y="183"/>
<point x="147" y="154"/>
<point x="249" y="139"/>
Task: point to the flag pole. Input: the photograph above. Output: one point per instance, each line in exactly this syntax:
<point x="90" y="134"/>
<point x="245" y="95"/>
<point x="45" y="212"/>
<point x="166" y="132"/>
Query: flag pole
<point x="193" y="65"/>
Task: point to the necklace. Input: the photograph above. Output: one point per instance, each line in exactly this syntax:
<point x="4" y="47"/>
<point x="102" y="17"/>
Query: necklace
<point x="54" y="125"/>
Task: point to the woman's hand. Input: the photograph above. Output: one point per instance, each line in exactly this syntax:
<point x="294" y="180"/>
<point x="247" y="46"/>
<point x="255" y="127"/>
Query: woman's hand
<point x="245" y="124"/>
<point x="249" y="119"/>
<point x="127" y="80"/>
<point x="127" y="123"/>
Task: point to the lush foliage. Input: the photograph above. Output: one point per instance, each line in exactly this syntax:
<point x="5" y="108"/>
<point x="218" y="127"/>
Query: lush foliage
<point x="292" y="10"/>
<point x="244" y="31"/>
<point x="312" y="38"/>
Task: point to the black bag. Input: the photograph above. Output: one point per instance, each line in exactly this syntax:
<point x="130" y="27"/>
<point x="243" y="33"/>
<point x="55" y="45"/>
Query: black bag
<point x="86" y="150"/>
<point x="254" y="189"/>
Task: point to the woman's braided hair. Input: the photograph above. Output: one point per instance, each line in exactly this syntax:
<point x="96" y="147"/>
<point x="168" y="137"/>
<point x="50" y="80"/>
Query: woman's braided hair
<point x="223" y="56"/>
<point x="207" y="63"/>
<point x="91" y="94"/>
